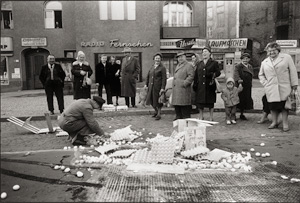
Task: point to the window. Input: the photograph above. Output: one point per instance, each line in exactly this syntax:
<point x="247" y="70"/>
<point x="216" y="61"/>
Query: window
<point x="177" y="14"/>
<point x="220" y="3"/>
<point x="283" y="9"/>
<point x="117" y="10"/>
<point x="209" y="13"/>
<point x="220" y="19"/>
<point x="53" y="15"/>
<point x="70" y="53"/>
<point x="209" y="32"/>
<point x="6" y="15"/>
<point x="4" y="71"/>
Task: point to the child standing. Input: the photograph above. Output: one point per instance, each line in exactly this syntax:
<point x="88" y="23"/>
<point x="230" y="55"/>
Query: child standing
<point x="230" y="95"/>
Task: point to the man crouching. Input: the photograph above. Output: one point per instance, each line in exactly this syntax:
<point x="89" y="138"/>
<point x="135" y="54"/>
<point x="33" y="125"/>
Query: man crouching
<point x="78" y="119"/>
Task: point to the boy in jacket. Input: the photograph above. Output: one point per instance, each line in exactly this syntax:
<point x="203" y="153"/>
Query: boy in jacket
<point x="230" y="95"/>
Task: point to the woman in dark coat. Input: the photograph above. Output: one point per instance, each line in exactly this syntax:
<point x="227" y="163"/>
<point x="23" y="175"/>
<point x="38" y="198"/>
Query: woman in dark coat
<point x="115" y="83"/>
<point x="156" y="83"/>
<point x="195" y="60"/>
<point x="81" y="69"/>
<point x="204" y="84"/>
<point x="244" y="71"/>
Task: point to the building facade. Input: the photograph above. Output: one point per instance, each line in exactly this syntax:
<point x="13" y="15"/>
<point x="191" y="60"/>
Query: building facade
<point x="266" y="21"/>
<point x="30" y="30"/>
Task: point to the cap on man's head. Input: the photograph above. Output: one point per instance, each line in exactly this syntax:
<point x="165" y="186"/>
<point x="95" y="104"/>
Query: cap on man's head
<point x="180" y="53"/>
<point x="127" y="49"/>
<point x="207" y="48"/>
<point x="99" y="100"/>
<point x="245" y="55"/>
<point x="157" y="54"/>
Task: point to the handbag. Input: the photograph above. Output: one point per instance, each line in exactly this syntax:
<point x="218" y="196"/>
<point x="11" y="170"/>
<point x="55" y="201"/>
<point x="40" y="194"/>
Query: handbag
<point x="162" y="98"/>
<point x="86" y="80"/>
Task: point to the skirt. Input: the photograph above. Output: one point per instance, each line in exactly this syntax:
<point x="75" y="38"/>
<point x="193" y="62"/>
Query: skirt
<point x="206" y="105"/>
<point x="277" y="106"/>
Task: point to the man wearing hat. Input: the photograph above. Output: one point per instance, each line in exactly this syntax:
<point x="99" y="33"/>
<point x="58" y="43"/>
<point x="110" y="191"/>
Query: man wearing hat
<point x="243" y="72"/>
<point x="181" y="87"/>
<point x="78" y="119"/>
<point x="129" y="74"/>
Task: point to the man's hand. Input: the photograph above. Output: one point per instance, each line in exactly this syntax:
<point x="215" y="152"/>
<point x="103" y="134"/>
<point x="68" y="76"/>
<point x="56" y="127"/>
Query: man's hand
<point x="240" y="81"/>
<point x="161" y="91"/>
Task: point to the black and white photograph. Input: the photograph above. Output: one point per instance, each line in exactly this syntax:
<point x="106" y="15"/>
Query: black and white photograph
<point x="150" y="101"/>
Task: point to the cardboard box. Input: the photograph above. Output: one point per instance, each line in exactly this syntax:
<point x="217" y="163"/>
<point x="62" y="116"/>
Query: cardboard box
<point x="194" y="137"/>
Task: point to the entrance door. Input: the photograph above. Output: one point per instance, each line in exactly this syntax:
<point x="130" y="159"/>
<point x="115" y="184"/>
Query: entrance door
<point x="34" y="61"/>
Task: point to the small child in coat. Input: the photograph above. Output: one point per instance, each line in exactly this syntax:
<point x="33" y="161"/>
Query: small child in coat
<point x="230" y="95"/>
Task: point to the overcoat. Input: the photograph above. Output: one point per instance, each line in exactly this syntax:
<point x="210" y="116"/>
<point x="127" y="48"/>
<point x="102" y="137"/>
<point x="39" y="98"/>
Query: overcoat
<point x="78" y="119"/>
<point x="58" y="72"/>
<point x="278" y="78"/>
<point x="181" y="87"/>
<point x="241" y="72"/>
<point x="205" y="93"/>
<point x="129" y="74"/>
<point x="156" y="80"/>
<point x="231" y="97"/>
<point x="103" y="75"/>
<point x="80" y="91"/>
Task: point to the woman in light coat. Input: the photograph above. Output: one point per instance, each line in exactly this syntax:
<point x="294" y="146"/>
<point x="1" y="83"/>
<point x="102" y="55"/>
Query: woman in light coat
<point x="81" y="69"/>
<point x="156" y="83"/>
<point x="278" y="75"/>
<point x="181" y="91"/>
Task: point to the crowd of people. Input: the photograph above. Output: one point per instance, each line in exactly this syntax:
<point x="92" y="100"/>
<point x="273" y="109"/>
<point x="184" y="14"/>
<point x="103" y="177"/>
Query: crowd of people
<point x="194" y="84"/>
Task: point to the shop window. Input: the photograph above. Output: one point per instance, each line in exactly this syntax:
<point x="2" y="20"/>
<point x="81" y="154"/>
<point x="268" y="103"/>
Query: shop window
<point x="177" y="14"/>
<point x="282" y="32"/>
<point x="53" y="15"/>
<point x="70" y="53"/>
<point x="6" y="15"/>
<point x="117" y="10"/>
<point x="4" y="71"/>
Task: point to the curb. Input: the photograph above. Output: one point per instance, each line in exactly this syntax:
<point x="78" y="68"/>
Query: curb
<point x="130" y="112"/>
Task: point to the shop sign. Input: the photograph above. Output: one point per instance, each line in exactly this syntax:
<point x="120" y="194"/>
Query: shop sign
<point x="228" y="43"/>
<point x="115" y="43"/>
<point x="34" y="42"/>
<point x="287" y="43"/>
<point x="93" y="43"/>
<point x="182" y="43"/>
<point x="6" y="44"/>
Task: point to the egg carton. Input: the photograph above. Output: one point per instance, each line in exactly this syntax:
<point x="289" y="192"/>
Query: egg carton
<point x="62" y="133"/>
<point x="109" y="109"/>
<point x="163" y="151"/>
<point x="141" y="156"/>
<point x="106" y="148"/>
<point x="123" y="153"/>
<point x="122" y="108"/>
<point x="195" y="151"/>
<point x="108" y="106"/>
<point x="119" y="137"/>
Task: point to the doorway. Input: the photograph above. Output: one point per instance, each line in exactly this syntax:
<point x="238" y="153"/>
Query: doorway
<point x="34" y="60"/>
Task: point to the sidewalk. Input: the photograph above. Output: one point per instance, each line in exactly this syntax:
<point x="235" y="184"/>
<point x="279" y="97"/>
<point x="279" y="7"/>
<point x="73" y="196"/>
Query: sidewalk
<point x="33" y="102"/>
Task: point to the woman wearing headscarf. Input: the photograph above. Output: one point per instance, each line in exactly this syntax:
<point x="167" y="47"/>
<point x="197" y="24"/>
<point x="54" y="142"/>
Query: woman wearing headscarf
<point x="278" y="75"/>
<point x="195" y="60"/>
<point x="204" y="86"/>
<point x="243" y="72"/>
<point x="156" y="83"/>
<point x="81" y="70"/>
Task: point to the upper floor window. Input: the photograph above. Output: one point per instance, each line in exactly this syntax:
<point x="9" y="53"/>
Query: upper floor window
<point x="6" y="15"/>
<point x="53" y="15"/>
<point x="209" y="32"/>
<point x="220" y="19"/>
<point x="177" y="14"/>
<point x="283" y="9"/>
<point x="117" y="10"/>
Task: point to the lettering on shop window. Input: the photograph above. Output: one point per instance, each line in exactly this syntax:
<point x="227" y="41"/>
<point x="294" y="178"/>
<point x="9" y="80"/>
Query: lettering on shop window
<point x="115" y="43"/>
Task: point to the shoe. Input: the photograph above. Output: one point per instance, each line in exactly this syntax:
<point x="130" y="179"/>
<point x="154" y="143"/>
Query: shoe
<point x="134" y="106"/>
<point x="243" y="117"/>
<point x="233" y="121"/>
<point x="117" y="104"/>
<point x="79" y="142"/>
<point x="272" y="126"/>
<point x="262" y="121"/>
<point x="51" y="112"/>
<point x="154" y="115"/>
<point x="285" y="129"/>
<point x="158" y="118"/>
<point x="61" y="111"/>
<point x="228" y="122"/>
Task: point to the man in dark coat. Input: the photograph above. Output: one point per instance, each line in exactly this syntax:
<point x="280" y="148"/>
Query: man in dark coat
<point x="104" y="77"/>
<point x="78" y="119"/>
<point x="129" y="74"/>
<point x="52" y="77"/>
